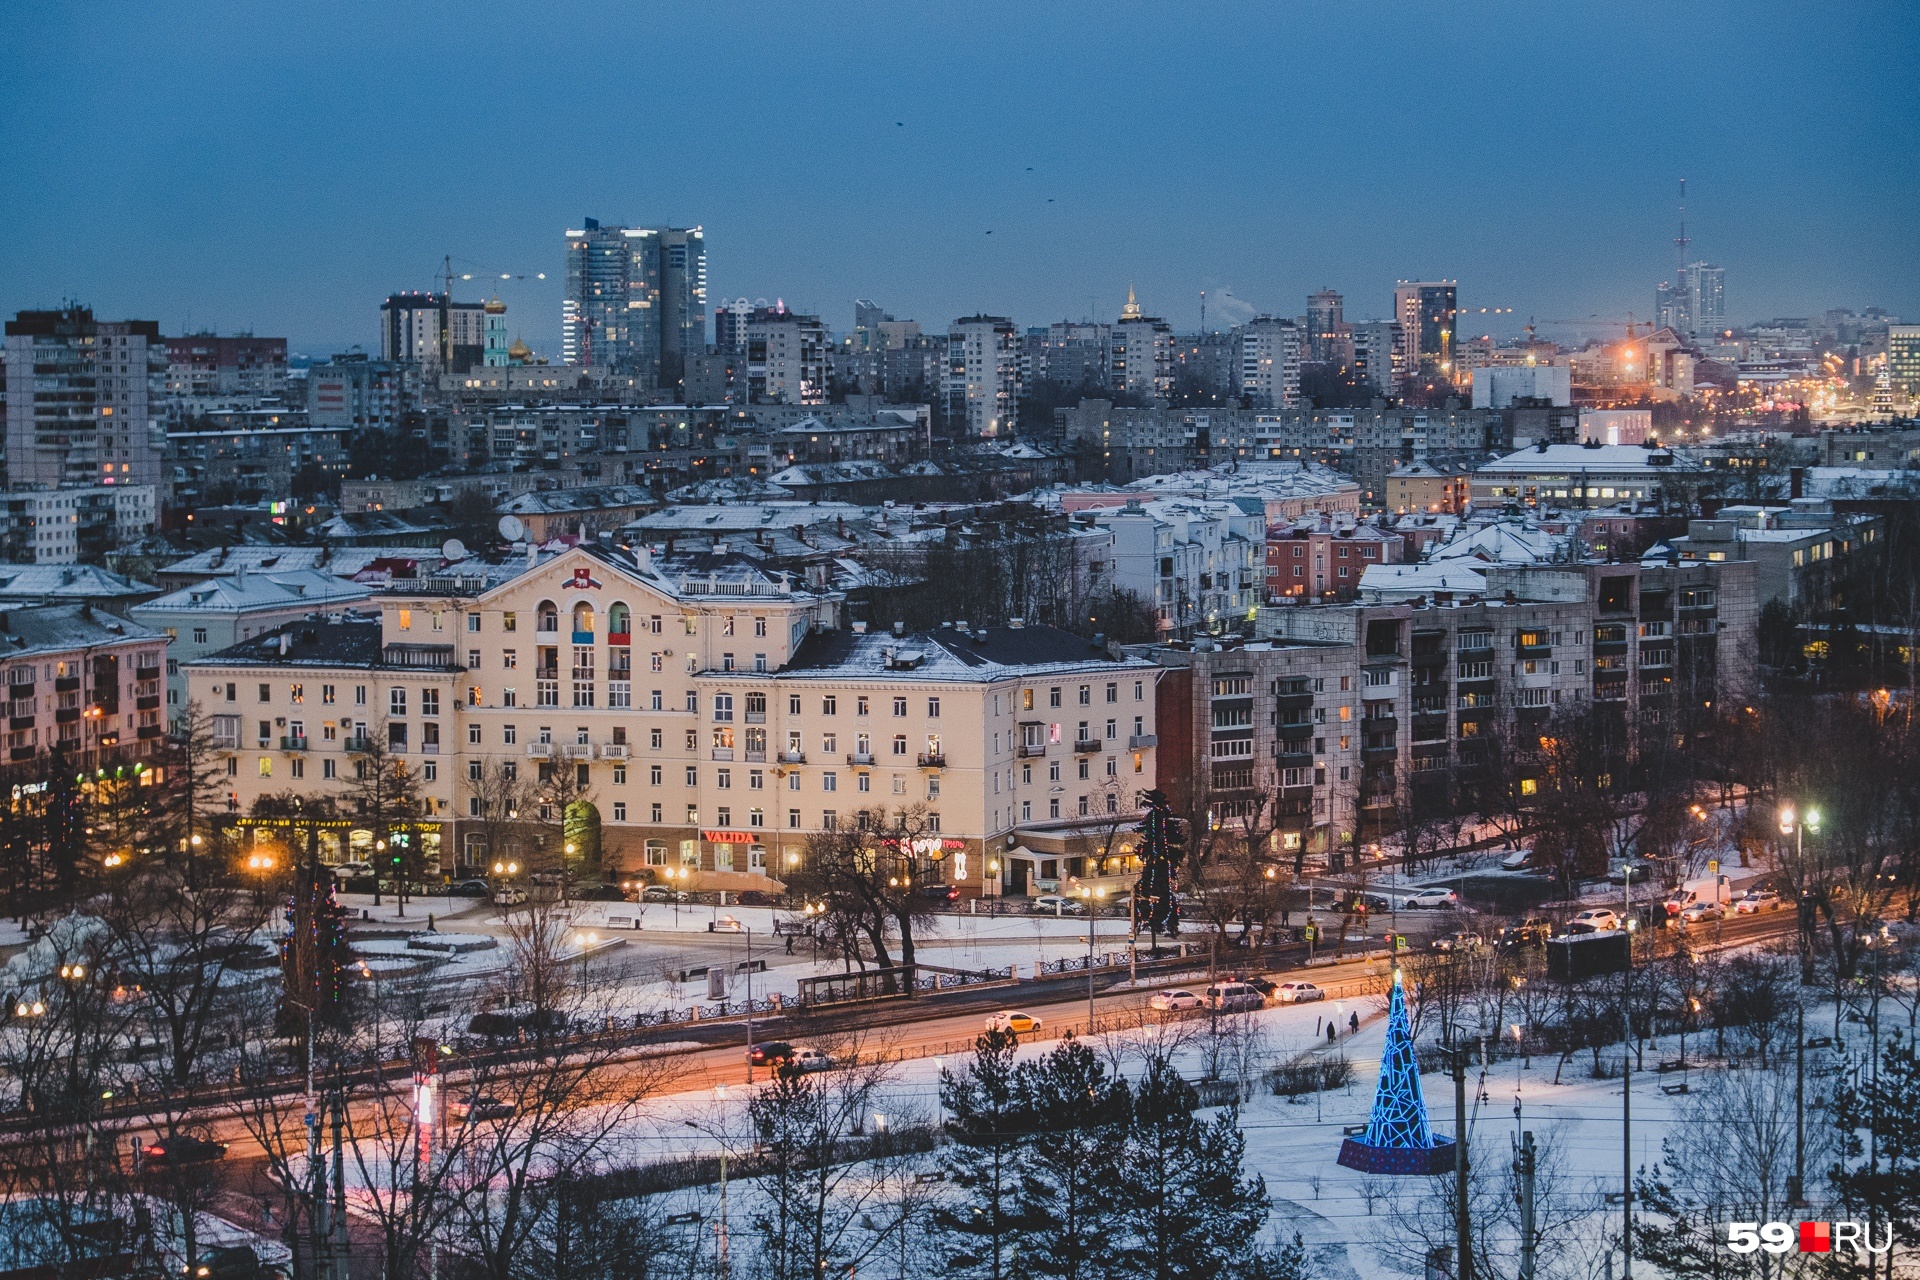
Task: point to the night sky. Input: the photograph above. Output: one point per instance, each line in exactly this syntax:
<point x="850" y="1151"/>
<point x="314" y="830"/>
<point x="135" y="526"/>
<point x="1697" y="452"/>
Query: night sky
<point x="281" y="168"/>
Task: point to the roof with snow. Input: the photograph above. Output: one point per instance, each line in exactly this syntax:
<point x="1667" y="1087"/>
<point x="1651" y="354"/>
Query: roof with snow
<point x="981" y="653"/>
<point x="241" y="593"/>
<point x="66" y="582"/>
<point x="60" y="628"/>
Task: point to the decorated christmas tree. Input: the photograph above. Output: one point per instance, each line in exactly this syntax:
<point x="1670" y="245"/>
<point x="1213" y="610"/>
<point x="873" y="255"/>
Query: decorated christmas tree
<point x="1154" y="907"/>
<point x="314" y="955"/>
<point x="1398" y="1139"/>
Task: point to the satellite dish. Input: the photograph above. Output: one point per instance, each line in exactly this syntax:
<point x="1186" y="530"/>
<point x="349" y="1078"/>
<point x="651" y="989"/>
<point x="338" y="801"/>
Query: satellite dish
<point x="512" y="529"/>
<point x="453" y="549"/>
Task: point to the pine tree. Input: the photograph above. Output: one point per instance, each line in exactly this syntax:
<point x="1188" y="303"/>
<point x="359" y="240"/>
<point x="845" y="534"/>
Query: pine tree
<point x="1189" y="1214"/>
<point x="1068" y="1180"/>
<point x="988" y="1125"/>
<point x="1882" y="1120"/>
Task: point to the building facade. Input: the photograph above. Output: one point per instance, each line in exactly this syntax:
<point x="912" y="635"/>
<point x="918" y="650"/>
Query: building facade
<point x="715" y="715"/>
<point x="79" y="684"/>
<point x="80" y="399"/>
<point x="1427" y="312"/>
<point x="983" y="376"/>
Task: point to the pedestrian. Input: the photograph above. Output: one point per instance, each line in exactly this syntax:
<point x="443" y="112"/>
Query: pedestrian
<point x="1353" y="1022"/>
<point x="789" y="944"/>
<point x="1330" y="1030"/>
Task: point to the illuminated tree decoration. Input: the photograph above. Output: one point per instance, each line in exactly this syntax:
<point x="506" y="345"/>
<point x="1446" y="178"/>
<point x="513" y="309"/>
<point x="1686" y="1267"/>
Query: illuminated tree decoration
<point x="314" y="953"/>
<point x="1398" y="1139"/>
<point x="1154" y="906"/>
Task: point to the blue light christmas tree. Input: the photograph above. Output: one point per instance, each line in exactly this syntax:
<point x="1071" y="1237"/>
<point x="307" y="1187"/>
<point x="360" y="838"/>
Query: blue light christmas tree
<point x="1398" y="1139"/>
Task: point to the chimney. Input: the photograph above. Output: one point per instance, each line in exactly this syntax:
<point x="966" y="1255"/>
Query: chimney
<point x="859" y="628"/>
<point x="899" y="628"/>
<point x="1796" y="482"/>
<point x="1016" y="623"/>
<point x="533" y="553"/>
<point x="285" y="641"/>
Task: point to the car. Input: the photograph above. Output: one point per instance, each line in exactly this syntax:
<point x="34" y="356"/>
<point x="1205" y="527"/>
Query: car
<point x="509" y="896"/>
<point x="229" y="1262"/>
<point x="479" y="1106"/>
<point x="1057" y="904"/>
<point x="1265" y="986"/>
<point x="939" y="892"/>
<point x="353" y="871"/>
<point x="1460" y="940"/>
<point x="1639" y="872"/>
<point x="1298" y="993"/>
<point x="1594" y="920"/>
<point x="1754" y="901"/>
<point x="1531" y="932"/>
<point x="181" y="1151"/>
<point x="1173" y="1001"/>
<point x="1433" y="898"/>
<point x="769" y="1051"/>
<point x="807" y="1058"/>
<point x="1517" y="860"/>
<point x="661" y="893"/>
<point x="1700" y="913"/>
<point x="1233" y="997"/>
<point x="1012" y="1020"/>
<point x="599" y="893"/>
<point x="725" y="924"/>
<point x="468" y="889"/>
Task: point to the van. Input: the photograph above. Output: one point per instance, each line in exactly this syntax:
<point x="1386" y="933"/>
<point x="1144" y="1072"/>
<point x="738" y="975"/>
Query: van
<point x="1232" y="997"/>
<point x="1714" y="889"/>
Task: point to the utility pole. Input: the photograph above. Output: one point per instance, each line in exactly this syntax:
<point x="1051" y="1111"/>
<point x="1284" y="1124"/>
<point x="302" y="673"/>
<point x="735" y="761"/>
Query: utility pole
<point x="1626" y="1117"/>
<point x="1797" y="1184"/>
<point x="1524" y="1165"/>
<point x="339" y="1249"/>
<point x="1462" y="1224"/>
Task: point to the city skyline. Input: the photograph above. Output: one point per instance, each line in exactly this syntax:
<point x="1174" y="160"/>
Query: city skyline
<point x="1006" y="184"/>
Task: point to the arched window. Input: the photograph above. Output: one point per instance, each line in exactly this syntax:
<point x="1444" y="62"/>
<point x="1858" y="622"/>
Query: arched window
<point x="620" y="622"/>
<point x="583" y="623"/>
<point x="549" y="616"/>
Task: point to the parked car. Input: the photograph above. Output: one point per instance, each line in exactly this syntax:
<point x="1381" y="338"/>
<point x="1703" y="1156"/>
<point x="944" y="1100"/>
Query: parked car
<point x="479" y="1106"/>
<point x="1517" y="860"/>
<point x="1057" y="904"/>
<point x="661" y="893"/>
<point x="1594" y="920"/>
<point x="1531" y="932"/>
<point x="468" y="889"/>
<point x="1638" y="872"/>
<point x="599" y="893"/>
<point x="1432" y="898"/>
<point x="353" y="870"/>
<point x="1012" y="1020"/>
<point x="1700" y="913"/>
<point x="725" y="924"/>
<point x="1233" y="997"/>
<point x="769" y="1051"/>
<point x="181" y="1151"/>
<point x="1754" y="901"/>
<point x="1460" y="940"/>
<point x="940" y="892"/>
<point x="501" y="1023"/>
<point x="1265" y="986"/>
<point x="1173" y="1001"/>
<point x="509" y="896"/>
<point x="1298" y="993"/>
<point x="807" y="1058"/>
<point x="231" y="1262"/>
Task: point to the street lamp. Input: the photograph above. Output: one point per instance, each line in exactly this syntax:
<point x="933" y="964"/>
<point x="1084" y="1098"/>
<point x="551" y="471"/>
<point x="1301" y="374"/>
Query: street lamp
<point x="1797" y="826"/>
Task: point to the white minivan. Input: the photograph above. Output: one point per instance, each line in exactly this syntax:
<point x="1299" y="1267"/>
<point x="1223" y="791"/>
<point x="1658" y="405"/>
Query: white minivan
<point x="1232" y="997"/>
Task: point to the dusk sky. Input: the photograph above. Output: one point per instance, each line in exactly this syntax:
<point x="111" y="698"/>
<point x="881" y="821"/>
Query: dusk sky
<point x="281" y="168"/>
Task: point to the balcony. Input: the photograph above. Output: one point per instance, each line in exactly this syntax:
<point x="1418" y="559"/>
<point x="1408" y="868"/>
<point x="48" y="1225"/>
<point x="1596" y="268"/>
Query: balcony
<point x="429" y="748"/>
<point x="755" y="717"/>
<point x="66" y="715"/>
<point x="146" y="673"/>
<point x="17" y="723"/>
<point x="20" y="689"/>
<point x="860" y="757"/>
<point x="1380" y="723"/>
<point x="421" y="657"/>
<point x="1087" y="746"/>
<point x="293" y="744"/>
<point x="723" y="753"/>
<point x="620" y="638"/>
<point x="933" y="760"/>
<point x="540" y="750"/>
<point x="362" y="745"/>
<point x="66" y="684"/>
<point x="793" y="757"/>
<point x="1379" y="751"/>
<point x="1435" y="657"/>
<point x="579" y="751"/>
<point x="1031" y="750"/>
<point x="583" y="637"/>
<point x="21" y="753"/>
<point x="616" y="751"/>
<point x="1294" y="759"/>
<point x="546" y="673"/>
<point x="755" y="757"/>
<point x="147" y="702"/>
<point x="151" y="731"/>
<point x="1141" y="741"/>
<point x="1536" y="651"/>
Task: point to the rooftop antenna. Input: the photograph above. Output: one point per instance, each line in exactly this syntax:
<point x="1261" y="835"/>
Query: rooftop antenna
<point x="1203" y="311"/>
<point x="1680" y="242"/>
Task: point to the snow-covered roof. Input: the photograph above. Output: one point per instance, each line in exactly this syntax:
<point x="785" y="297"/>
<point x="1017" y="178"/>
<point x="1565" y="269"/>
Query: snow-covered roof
<point x="65" y="582"/>
<point x="241" y="593"/>
<point x="59" y="628"/>
<point x="1386" y="583"/>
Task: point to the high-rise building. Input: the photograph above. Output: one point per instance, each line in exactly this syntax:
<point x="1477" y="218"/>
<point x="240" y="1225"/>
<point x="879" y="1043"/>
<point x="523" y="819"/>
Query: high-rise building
<point x="1695" y="304"/>
<point x="983" y="375"/>
<point x="1903" y="361"/>
<point x="1376" y="356"/>
<point x="80" y="393"/>
<point x="1270" y="353"/>
<point x="1426" y="310"/>
<point x="786" y="357"/>
<point x="636" y="300"/>
<point x="432" y="331"/>
<point x="1142" y="353"/>
<point x="1327" y="327"/>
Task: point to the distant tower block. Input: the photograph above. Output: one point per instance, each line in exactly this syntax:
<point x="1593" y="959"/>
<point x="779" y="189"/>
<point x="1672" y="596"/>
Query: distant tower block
<point x="1398" y="1139"/>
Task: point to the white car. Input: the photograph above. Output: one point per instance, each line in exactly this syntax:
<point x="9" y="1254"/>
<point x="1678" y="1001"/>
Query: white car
<point x="1431" y="899"/>
<point x="807" y="1058"/>
<point x="1757" y="900"/>
<point x="1594" y="920"/>
<point x="1700" y="913"/>
<point x="1173" y="1001"/>
<point x="508" y="896"/>
<point x="352" y="870"/>
<point x="1057" y="904"/>
<point x="1298" y="993"/>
